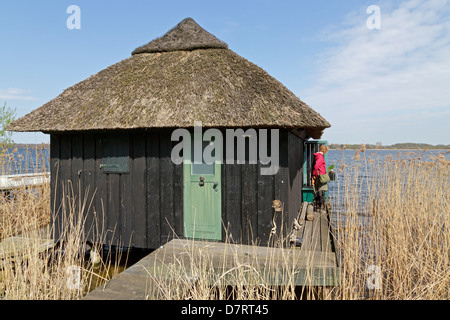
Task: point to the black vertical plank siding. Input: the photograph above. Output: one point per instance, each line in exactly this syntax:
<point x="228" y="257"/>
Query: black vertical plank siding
<point x="153" y="190"/>
<point x="178" y="200"/>
<point x="77" y="168"/>
<point x="55" y="185"/>
<point x="65" y="176"/>
<point x="295" y="150"/>
<point x="113" y="212"/>
<point x="101" y="186"/>
<point x="281" y="187"/>
<point x="128" y="209"/>
<point x="166" y="188"/>
<point x="265" y="211"/>
<point x="223" y="199"/>
<point x="126" y="205"/>
<point x="93" y="221"/>
<point x="138" y="190"/>
<point x="249" y="203"/>
<point x="66" y="162"/>
<point x="232" y="197"/>
<point x="146" y="203"/>
<point x="248" y="198"/>
<point x="76" y="188"/>
<point x="232" y="212"/>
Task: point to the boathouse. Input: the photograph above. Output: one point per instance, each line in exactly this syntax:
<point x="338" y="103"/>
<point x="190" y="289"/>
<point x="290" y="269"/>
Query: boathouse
<point x="111" y="145"/>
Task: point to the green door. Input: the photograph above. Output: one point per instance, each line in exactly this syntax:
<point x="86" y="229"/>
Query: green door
<point x="202" y="198"/>
<point x="309" y="148"/>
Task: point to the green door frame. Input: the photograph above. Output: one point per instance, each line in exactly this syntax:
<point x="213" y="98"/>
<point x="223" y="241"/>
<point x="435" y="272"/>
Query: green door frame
<point x="310" y="147"/>
<point x="202" y="187"/>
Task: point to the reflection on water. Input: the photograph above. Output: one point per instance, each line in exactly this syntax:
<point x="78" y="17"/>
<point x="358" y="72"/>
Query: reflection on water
<point x="114" y="261"/>
<point x="88" y="275"/>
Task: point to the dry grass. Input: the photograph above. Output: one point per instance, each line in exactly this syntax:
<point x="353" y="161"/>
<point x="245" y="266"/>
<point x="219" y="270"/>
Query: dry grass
<point x="396" y="222"/>
<point x="394" y="233"/>
<point x="202" y="273"/>
<point x="31" y="271"/>
<point x="393" y="238"/>
<point x="31" y="159"/>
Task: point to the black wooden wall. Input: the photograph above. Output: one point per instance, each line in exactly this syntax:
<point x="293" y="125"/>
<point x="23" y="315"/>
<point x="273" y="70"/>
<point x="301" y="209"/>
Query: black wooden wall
<point x="295" y="163"/>
<point x="247" y="198"/>
<point x="141" y="208"/>
<point x="144" y="207"/>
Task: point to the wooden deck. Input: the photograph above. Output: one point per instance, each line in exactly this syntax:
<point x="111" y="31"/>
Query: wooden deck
<point x="314" y="264"/>
<point x="14" y="181"/>
<point x="35" y="241"/>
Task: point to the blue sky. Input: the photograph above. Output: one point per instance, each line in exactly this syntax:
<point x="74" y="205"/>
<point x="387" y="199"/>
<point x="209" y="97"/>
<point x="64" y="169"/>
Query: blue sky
<point x="387" y="85"/>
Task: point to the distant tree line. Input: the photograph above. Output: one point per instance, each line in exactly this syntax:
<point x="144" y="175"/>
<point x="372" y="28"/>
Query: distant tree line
<point x="407" y="145"/>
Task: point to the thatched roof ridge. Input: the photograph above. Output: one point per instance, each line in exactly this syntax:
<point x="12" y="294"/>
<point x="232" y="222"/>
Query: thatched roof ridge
<point x="186" y="36"/>
<point x="172" y="90"/>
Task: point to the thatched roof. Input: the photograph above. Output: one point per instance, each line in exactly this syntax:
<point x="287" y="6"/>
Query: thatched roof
<point x="185" y="76"/>
<point x="186" y="36"/>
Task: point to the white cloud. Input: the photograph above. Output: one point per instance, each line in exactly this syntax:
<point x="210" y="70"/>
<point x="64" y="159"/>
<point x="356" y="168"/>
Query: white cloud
<point x="15" y="94"/>
<point x="371" y="79"/>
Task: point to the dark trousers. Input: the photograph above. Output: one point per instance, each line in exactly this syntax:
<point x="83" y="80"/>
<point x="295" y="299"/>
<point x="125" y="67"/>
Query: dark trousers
<point x="319" y="199"/>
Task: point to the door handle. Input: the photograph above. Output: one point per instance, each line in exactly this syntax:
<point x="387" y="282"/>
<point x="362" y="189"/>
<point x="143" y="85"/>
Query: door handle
<point x="202" y="181"/>
<point x="215" y="185"/>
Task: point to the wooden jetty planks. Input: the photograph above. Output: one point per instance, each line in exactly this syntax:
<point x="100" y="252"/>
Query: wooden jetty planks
<point x="315" y="264"/>
<point x="217" y="262"/>
<point x="298" y="232"/>
<point x="315" y="234"/>
<point x="21" y="246"/>
<point x="131" y="284"/>
<point x="14" y="181"/>
<point x="325" y="230"/>
<point x="229" y="254"/>
<point x="307" y="231"/>
<point x="270" y="263"/>
<point x="302" y="217"/>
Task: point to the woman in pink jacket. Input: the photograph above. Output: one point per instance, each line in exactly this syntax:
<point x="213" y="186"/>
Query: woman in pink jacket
<point x="319" y="169"/>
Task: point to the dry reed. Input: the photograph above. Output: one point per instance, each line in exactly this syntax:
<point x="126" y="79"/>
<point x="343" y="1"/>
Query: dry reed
<point x="31" y="267"/>
<point x="393" y="237"/>
<point x="393" y="230"/>
<point x="199" y="274"/>
<point x="393" y="241"/>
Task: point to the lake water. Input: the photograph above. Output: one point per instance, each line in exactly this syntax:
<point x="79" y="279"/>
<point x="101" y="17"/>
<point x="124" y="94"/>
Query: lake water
<point x="354" y="174"/>
<point x="353" y="168"/>
<point x="25" y="160"/>
<point x="366" y="161"/>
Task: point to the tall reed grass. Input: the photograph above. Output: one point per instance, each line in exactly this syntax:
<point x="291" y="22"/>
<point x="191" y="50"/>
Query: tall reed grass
<point x="393" y="227"/>
<point x="28" y="159"/>
<point x="31" y="266"/>
<point x="202" y="272"/>
<point x="392" y="231"/>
